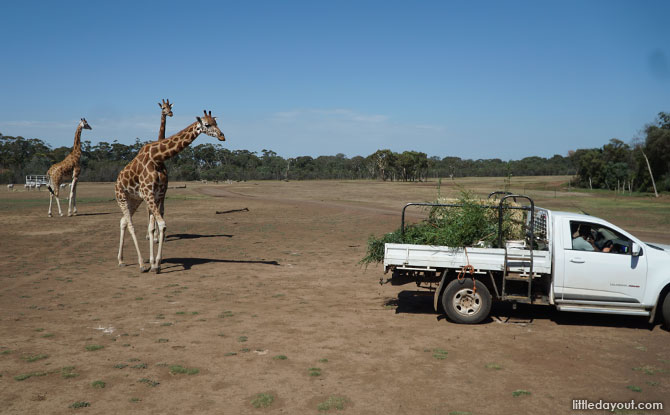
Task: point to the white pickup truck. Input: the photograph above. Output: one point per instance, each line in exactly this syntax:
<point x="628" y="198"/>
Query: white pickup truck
<point x="578" y="263"/>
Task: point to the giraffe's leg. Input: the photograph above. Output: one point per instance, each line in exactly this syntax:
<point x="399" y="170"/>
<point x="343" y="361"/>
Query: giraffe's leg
<point x="157" y="220"/>
<point x="162" y="210"/>
<point x="73" y="194"/>
<point x="74" y="198"/>
<point x="51" y="199"/>
<point x="122" y="225"/>
<point x="131" y="228"/>
<point x="127" y="221"/>
<point x="152" y="224"/>
<point x="160" y="223"/>
<point x="56" y="193"/>
<point x="149" y="224"/>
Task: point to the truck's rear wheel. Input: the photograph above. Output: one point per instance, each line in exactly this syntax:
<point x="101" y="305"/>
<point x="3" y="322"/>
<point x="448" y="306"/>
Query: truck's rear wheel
<point x="465" y="305"/>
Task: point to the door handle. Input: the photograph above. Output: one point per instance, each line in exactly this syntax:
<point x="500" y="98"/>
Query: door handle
<point x="577" y="260"/>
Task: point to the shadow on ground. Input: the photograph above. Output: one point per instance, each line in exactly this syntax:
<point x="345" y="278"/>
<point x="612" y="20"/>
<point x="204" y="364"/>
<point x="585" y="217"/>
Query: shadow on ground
<point x="187" y="263"/>
<point x="178" y="236"/>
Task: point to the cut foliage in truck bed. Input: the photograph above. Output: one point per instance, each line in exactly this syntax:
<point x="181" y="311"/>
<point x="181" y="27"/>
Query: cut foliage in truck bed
<point x="474" y="223"/>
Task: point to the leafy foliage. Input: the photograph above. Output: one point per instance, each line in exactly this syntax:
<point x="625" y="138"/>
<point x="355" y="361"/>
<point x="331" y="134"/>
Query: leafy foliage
<point x="473" y="223"/>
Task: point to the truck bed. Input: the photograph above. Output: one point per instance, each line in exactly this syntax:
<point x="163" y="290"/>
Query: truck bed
<point x="426" y="257"/>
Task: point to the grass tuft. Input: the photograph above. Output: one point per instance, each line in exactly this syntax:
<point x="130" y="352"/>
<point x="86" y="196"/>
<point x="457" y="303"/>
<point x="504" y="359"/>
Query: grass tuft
<point x="94" y="347"/>
<point x="440" y="354"/>
<point x="25" y="376"/>
<point x="333" y="402"/>
<point x="68" y="372"/>
<point x="35" y="358"/>
<point x="520" y="392"/>
<point x="262" y="400"/>
<point x="80" y="404"/>
<point x="180" y="370"/>
<point x="649" y="370"/>
<point x="149" y="382"/>
<point x="98" y="384"/>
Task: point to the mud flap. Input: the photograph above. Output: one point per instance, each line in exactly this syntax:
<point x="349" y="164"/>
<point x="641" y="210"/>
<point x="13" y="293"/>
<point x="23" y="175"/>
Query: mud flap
<point x="438" y="292"/>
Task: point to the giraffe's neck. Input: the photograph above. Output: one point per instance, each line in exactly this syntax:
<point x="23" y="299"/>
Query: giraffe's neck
<point x="176" y="143"/>
<point x="161" y="132"/>
<point x="76" y="148"/>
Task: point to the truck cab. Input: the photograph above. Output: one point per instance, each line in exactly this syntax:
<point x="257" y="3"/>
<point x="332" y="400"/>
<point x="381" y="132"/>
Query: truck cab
<point x="597" y="263"/>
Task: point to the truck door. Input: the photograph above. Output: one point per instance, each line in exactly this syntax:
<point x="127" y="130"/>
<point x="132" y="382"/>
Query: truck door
<point x="599" y="265"/>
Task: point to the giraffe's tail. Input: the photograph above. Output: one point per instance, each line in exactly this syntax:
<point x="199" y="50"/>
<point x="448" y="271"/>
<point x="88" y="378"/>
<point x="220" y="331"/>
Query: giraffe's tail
<point x="49" y="186"/>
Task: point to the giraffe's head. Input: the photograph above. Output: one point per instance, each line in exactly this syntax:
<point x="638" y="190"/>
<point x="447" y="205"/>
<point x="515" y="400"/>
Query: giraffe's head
<point x="166" y="108"/>
<point x="207" y="125"/>
<point x="83" y="124"/>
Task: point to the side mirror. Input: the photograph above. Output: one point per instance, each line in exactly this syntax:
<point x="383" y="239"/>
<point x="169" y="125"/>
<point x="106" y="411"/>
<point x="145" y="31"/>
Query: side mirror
<point x="636" y="249"/>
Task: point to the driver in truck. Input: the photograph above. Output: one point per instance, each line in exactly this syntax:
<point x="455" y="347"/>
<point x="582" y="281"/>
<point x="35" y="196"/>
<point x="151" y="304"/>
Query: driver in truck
<point x="582" y="240"/>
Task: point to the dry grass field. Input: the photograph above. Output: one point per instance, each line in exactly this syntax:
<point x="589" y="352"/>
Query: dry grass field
<point x="263" y="308"/>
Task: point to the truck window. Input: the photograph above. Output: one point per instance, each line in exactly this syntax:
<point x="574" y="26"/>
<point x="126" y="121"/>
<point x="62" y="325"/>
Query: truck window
<point x="595" y="237"/>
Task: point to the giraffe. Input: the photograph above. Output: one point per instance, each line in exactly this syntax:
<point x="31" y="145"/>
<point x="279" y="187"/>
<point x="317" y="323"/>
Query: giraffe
<point x="144" y="178"/>
<point x="166" y="111"/>
<point x="68" y="167"/>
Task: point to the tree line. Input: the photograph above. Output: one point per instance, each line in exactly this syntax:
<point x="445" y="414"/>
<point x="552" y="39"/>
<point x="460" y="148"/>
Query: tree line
<point x="617" y="165"/>
<point x="103" y="162"/>
<point x="641" y="165"/>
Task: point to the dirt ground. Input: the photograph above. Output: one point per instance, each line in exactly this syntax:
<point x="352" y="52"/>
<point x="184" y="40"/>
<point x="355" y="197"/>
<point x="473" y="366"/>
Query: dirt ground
<point x="261" y="293"/>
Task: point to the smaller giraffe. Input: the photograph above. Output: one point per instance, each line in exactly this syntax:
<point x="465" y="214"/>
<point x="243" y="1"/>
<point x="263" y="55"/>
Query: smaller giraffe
<point x="66" y="168"/>
<point x="166" y="111"/>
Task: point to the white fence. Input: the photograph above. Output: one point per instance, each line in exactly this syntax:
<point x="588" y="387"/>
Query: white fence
<point x="35" y="181"/>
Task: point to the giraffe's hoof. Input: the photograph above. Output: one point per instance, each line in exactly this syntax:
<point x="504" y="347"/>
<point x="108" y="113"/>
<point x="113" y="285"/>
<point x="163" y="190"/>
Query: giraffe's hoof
<point x="156" y="270"/>
<point x="144" y="268"/>
<point x="60" y="214"/>
<point x="50" y="215"/>
<point x="121" y="265"/>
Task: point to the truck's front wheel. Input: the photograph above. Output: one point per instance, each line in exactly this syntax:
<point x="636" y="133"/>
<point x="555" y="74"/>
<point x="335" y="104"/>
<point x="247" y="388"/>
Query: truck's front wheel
<point x="666" y="310"/>
<point x="464" y="304"/>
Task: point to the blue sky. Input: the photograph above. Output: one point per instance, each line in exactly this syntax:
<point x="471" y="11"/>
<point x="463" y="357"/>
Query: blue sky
<point x="449" y="78"/>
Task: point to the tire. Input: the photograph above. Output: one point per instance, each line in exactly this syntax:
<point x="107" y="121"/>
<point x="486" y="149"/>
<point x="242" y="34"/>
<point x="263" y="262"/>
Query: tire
<point x="666" y="310"/>
<point x="463" y="305"/>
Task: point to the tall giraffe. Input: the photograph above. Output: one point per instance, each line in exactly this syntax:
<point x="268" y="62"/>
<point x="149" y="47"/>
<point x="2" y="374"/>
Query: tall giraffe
<point x="166" y="111"/>
<point x="66" y="168"/>
<point x="144" y="178"/>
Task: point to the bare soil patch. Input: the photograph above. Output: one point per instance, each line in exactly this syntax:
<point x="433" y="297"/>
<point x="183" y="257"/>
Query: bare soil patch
<point x="256" y="298"/>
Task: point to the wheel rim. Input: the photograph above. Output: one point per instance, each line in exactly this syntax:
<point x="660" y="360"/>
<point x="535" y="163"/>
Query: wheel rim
<point x="467" y="302"/>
